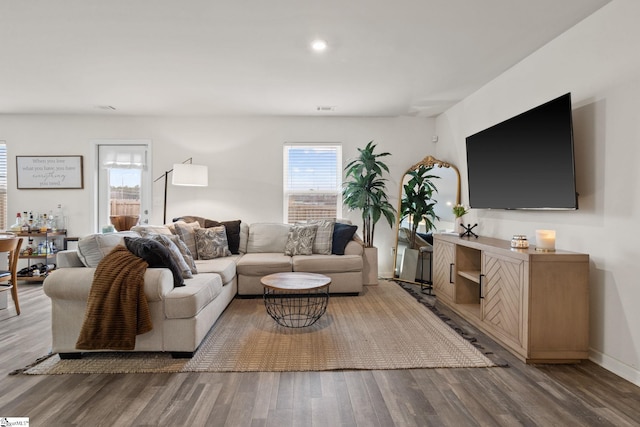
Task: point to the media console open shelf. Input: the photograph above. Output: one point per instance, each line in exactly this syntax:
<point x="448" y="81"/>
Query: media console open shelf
<point x="535" y="304"/>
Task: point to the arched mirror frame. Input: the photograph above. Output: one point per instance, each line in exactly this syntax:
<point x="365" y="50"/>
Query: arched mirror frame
<point x="428" y="161"/>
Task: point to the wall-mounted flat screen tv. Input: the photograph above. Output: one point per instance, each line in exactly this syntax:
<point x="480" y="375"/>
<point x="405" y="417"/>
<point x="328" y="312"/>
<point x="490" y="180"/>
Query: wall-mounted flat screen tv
<point x="525" y="162"/>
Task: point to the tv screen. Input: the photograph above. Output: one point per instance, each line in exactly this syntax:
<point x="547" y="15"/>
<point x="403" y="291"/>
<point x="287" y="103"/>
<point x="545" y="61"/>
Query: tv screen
<point x="525" y="162"/>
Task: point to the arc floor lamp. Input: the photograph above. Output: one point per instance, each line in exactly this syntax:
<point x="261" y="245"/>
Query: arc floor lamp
<point x="185" y="174"/>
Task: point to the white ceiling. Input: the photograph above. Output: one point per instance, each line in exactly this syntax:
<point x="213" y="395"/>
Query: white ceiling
<point x="252" y="57"/>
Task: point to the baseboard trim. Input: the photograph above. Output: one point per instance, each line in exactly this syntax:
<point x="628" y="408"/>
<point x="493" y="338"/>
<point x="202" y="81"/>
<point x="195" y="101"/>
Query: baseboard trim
<point x="619" y="368"/>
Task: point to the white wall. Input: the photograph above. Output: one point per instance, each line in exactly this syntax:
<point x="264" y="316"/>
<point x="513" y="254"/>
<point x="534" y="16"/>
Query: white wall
<point x="598" y="62"/>
<point x="244" y="156"/>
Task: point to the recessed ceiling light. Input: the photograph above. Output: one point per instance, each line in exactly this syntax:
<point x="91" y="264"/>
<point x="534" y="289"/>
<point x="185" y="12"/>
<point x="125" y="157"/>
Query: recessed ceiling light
<point x="319" y="45"/>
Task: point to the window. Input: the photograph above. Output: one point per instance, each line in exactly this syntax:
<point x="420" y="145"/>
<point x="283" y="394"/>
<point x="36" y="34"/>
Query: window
<point x="312" y="181"/>
<point x="123" y="183"/>
<point x="3" y="185"/>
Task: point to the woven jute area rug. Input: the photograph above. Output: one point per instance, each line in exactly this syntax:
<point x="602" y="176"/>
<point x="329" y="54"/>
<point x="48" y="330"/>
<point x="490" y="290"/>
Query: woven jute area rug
<point x="383" y="328"/>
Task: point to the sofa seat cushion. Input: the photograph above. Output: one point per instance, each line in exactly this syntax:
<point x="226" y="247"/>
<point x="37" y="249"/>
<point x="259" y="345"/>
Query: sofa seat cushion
<point x="225" y="267"/>
<point x="262" y="264"/>
<point x="327" y="263"/>
<point x="187" y="301"/>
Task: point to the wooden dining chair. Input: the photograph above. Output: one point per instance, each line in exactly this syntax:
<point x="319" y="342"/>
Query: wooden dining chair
<point x="10" y="244"/>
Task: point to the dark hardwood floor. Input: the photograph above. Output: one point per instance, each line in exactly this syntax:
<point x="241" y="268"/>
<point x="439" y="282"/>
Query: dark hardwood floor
<point x="545" y="395"/>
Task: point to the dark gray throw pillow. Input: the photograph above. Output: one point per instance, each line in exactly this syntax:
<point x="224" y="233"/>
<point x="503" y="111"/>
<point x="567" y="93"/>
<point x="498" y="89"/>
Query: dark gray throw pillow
<point x="156" y="255"/>
<point x="342" y="234"/>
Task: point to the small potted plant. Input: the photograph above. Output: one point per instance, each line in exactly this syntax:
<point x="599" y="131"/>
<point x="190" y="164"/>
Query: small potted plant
<point x="365" y="190"/>
<point x="459" y="211"/>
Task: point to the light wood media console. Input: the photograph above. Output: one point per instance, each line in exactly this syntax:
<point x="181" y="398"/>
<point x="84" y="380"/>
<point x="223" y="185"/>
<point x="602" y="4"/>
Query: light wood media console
<point x="535" y="304"/>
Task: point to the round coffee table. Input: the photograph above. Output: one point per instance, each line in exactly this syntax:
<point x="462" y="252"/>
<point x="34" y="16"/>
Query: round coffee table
<point x="296" y="300"/>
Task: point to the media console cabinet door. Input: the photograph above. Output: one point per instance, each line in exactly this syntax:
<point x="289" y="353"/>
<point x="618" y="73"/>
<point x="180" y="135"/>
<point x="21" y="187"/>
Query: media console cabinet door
<point x="444" y="269"/>
<point x="505" y="297"/>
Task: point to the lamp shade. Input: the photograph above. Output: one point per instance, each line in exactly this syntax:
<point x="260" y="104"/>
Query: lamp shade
<point x="190" y="175"/>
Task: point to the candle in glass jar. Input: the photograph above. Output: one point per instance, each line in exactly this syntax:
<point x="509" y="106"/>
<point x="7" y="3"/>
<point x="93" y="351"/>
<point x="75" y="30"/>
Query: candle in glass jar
<point x="546" y="240"/>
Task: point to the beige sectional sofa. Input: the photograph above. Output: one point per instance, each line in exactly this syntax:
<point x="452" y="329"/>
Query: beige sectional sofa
<point x="182" y="316"/>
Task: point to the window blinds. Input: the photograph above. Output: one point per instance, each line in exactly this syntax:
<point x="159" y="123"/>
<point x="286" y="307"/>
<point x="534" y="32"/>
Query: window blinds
<point x="312" y="181"/>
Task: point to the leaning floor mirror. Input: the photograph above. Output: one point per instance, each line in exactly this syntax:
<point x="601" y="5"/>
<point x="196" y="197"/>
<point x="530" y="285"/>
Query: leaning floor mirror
<point x="428" y="191"/>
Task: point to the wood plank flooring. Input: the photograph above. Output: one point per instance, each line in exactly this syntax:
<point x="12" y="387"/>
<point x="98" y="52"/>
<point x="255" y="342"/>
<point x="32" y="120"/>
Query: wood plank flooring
<point x="544" y="395"/>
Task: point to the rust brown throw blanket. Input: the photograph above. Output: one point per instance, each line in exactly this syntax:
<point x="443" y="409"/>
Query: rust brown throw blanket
<point x="117" y="308"/>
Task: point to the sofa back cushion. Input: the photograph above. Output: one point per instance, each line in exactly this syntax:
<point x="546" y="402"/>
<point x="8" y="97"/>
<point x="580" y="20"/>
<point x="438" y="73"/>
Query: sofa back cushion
<point x="92" y="248"/>
<point x="267" y="237"/>
<point x="244" y="237"/>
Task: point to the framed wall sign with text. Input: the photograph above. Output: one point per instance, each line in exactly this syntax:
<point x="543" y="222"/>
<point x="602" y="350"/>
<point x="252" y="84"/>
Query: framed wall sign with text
<point x="49" y="172"/>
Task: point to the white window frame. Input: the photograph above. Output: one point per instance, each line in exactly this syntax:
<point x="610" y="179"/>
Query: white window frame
<point x="286" y="191"/>
<point x="5" y="221"/>
<point x="101" y="185"/>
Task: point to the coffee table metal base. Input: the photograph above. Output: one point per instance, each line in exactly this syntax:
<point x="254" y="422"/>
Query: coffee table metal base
<point x="296" y="309"/>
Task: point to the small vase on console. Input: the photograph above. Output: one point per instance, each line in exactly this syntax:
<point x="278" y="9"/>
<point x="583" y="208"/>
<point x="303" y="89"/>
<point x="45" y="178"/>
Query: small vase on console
<point x="458" y="226"/>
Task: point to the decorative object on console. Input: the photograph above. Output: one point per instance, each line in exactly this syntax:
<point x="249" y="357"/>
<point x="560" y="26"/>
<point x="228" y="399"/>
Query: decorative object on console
<point x="546" y="240"/>
<point x="467" y="231"/>
<point x="459" y="211"/>
<point x="186" y="174"/>
<point x="519" y="241"/>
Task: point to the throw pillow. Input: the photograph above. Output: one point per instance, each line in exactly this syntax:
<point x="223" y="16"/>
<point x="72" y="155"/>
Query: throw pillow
<point x="174" y="252"/>
<point x="190" y="219"/>
<point x="342" y="234"/>
<point x="212" y="242"/>
<point x="92" y="248"/>
<point x="233" y="232"/>
<point x="184" y="250"/>
<point x="324" y="236"/>
<point x="144" y="229"/>
<point x="187" y="232"/>
<point x="156" y="255"/>
<point x="300" y="240"/>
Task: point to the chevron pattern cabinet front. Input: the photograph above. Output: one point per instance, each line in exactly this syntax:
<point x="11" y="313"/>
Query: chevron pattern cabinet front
<point x="535" y="304"/>
<point x="503" y="300"/>
<point x="443" y="267"/>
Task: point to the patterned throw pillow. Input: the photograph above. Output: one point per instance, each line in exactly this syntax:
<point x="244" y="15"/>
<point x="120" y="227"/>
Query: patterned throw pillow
<point x="233" y="232"/>
<point x="184" y="250"/>
<point x="174" y="252"/>
<point x="212" y="242"/>
<point x="300" y="240"/>
<point x="187" y="233"/>
<point x="324" y="236"/>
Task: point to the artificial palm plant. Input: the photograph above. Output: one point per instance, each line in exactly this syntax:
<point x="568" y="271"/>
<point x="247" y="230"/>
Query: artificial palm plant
<point x="417" y="202"/>
<point x="365" y="190"/>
